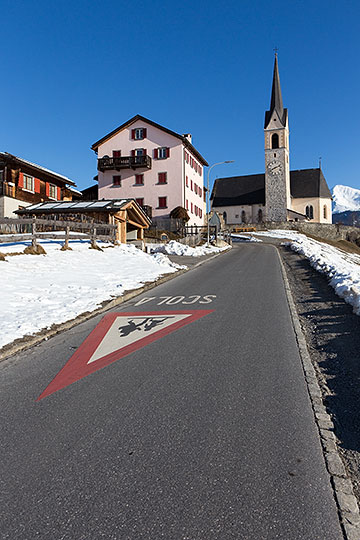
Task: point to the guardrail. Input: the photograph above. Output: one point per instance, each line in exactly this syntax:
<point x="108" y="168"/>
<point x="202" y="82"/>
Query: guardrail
<point x="34" y="229"/>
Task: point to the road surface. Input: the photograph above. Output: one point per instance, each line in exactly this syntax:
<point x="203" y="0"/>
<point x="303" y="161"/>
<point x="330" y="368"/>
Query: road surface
<point x="204" y="433"/>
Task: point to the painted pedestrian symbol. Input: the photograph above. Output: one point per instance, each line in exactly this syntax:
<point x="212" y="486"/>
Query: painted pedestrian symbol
<point x="118" y="335"/>
<point x="146" y="324"/>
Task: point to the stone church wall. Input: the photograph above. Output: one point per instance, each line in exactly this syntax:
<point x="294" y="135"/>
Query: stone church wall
<point x="326" y="231"/>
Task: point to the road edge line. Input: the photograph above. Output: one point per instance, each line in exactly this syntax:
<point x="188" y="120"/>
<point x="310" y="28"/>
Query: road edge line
<point x="345" y="499"/>
<point x="27" y="342"/>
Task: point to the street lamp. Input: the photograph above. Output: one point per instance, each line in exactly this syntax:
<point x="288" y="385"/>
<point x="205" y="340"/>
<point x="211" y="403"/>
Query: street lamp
<point x="208" y="198"/>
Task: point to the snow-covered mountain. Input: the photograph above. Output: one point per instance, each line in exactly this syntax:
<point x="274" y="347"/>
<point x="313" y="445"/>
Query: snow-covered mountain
<point x="346" y="198"/>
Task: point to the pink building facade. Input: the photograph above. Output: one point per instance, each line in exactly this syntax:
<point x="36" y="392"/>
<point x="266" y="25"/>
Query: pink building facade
<point x="153" y="165"/>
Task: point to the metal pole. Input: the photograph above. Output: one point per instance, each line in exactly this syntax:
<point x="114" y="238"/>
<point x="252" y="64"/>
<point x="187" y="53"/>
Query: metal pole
<point x="208" y="197"/>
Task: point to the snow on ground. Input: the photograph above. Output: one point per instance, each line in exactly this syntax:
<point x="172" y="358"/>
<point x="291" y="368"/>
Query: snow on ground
<point x="175" y="248"/>
<point x="342" y="268"/>
<point x="245" y="238"/>
<point x="41" y="290"/>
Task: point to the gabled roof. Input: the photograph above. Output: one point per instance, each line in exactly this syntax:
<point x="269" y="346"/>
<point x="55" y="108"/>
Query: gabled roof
<point x="185" y="141"/>
<point x="276" y="103"/>
<point x="10" y="157"/>
<point x="250" y="189"/>
<point x="110" y="206"/>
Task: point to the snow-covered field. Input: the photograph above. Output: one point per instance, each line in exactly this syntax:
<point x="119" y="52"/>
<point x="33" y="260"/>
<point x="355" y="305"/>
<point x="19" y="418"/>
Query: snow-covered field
<point x="175" y="248"/>
<point x="41" y="290"/>
<point x="342" y="268"/>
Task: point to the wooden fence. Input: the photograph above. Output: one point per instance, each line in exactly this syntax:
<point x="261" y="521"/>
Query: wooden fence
<point x="35" y="229"/>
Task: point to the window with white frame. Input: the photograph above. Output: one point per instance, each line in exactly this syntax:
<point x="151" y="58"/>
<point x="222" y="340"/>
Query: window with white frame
<point x="28" y="182"/>
<point x="52" y="191"/>
<point x="139" y="133"/>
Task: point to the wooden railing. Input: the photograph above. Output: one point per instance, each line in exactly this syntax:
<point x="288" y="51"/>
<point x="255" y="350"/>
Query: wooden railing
<point x="35" y="229"/>
<point x="124" y="162"/>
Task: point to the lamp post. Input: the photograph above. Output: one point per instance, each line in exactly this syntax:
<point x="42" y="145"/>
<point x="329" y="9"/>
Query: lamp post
<point x="208" y="197"/>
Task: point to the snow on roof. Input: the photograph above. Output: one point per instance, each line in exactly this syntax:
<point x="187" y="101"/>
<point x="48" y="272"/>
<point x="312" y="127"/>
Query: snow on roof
<point x="65" y="178"/>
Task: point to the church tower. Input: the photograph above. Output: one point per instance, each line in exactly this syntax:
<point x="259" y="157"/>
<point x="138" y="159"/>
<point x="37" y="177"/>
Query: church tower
<point x="277" y="169"/>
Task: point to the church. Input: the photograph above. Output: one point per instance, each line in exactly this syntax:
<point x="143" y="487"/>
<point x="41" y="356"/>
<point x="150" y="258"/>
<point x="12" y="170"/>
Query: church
<point x="280" y="194"/>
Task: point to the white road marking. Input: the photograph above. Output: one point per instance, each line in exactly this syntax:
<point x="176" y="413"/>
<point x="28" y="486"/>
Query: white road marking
<point x="172" y="300"/>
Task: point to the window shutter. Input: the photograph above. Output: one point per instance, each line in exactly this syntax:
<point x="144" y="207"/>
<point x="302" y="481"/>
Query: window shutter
<point x="47" y="189"/>
<point x="36" y="185"/>
<point x="144" y="133"/>
<point x="156" y="150"/>
<point x="21" y="180"/>
<point x="133" y="153"/>
<point x="58" y="194"/>
<point x="144" y="152"/>
<point x="133" y="133"/>
<point x="168" y="152"/>
<point x="116" y="153"/>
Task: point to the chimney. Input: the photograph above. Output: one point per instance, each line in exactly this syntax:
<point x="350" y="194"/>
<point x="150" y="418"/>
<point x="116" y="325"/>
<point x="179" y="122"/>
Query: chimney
<point x="188" y="136"/>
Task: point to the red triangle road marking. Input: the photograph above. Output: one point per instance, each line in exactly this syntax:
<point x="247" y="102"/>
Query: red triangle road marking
<point x="116" y="336"/>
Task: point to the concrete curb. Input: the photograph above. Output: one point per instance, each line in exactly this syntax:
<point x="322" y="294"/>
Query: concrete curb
<point x="27" y="342"/>
<point x="343" y="491"/>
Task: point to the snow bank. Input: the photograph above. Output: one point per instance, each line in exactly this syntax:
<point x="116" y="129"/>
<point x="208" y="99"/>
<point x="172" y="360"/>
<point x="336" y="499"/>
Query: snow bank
<point x="175" y="248"/>
<point x="342" y="269"/>
<point x="245" y="238"/>
<point x="41" y="290"/>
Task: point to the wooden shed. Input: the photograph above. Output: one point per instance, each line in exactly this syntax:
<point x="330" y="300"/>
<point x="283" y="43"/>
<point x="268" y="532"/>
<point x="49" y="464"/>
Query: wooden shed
<point x="125" y="213"/>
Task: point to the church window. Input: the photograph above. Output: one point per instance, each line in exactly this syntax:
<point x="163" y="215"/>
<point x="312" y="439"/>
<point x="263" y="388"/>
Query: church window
<point x="275" y="141"/>
<point x="325" y="212"/>
<point x="243" y="216"/>
<point x="224" y="216"/>
<point x="309" y="212"/>
<point x="260" y="215"/>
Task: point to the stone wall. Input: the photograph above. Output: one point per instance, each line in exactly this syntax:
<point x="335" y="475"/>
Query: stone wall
<point x="326" y="231"/>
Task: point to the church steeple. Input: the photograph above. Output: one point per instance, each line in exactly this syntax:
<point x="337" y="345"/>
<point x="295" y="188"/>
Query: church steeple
<point x="277" y="170"/>
<point x="276" y="104"/>
<point x="276" y="97"/>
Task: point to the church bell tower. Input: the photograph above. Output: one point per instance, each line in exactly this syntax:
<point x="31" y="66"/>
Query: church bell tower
<point x="277" y="169"/>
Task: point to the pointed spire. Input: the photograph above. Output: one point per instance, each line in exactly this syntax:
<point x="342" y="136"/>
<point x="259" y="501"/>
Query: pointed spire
<point x="276" y="97"/>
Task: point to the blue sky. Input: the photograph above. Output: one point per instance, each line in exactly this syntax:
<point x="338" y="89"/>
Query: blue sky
<point x="73" y="71"/>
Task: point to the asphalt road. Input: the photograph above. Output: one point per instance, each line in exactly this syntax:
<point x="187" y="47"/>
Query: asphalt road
<point x="206" y="433"/>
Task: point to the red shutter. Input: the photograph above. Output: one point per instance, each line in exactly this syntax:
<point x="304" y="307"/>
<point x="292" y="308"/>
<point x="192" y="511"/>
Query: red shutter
<point x="133" y="153"/>
<point x="144" y="152"/>
<point x="156" y="153"/>
<point x="21" y="180"/>
<point x="37" y="185"/>
<point x="58" y="194"/>
<point x="116" y="153"/>
<point x="47" y="189"/>
<point x="168" y="152"/>
<point x="144" y="133"/>
<point x="133" y="133"/>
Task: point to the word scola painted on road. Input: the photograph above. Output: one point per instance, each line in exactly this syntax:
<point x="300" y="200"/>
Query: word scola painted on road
<point x="172" y="300"/>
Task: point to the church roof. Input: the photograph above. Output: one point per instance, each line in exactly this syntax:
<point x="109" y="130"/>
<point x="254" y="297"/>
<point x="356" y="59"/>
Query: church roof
<point x="276" y="103"/>
<point x="250" y="189"/>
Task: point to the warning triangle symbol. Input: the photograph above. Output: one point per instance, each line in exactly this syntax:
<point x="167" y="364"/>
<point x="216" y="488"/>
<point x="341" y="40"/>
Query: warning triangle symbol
<point x="116" y="336"/>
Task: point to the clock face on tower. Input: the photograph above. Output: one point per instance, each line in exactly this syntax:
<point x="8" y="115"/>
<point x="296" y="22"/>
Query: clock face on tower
<point x="274" y="168"/>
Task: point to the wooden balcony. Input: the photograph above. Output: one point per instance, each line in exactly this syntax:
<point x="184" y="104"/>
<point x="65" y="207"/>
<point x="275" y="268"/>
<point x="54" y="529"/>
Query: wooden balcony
<point x="124" y="162"/>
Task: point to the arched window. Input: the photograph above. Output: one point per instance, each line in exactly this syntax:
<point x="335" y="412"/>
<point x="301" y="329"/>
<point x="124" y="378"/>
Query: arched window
<point x="275" y="141"/>
<point x="243" y="217"/>
<point x="309" y="212"/>
<point x="225" y="216"/>
<point x="325" y="212"/>
<point x="260" y="216"/>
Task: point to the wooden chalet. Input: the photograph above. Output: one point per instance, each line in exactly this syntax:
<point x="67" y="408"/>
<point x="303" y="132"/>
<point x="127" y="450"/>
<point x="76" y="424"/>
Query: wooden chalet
<point x="129" y="217"/>
<point x="23" y="183"/>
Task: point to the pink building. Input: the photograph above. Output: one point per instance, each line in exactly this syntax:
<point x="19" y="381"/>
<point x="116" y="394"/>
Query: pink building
<point x="153" y="165"/>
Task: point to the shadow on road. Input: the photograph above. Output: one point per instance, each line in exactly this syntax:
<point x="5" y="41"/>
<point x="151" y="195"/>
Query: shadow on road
<point x="333" y="334"/>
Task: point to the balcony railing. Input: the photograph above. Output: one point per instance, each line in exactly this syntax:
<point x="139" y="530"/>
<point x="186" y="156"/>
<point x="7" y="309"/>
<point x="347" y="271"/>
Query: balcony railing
<point x="124" y="162"/>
